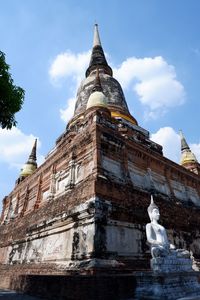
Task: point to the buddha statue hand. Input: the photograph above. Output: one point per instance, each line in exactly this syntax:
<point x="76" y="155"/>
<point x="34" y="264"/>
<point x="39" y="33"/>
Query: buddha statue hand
<point x="159" y="250"/>
<point x="172" y="247"/>
<point x="182" y="253"/>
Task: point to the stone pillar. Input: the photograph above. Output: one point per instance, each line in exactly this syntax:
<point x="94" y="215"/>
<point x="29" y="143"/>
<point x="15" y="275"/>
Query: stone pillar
<point x="38" y="195"/>
<point x="4" y="208"/>
<point x="71" y="182"/>
<point x="149" y="181"/>
<point x="17" y="205"/>
<point x="10" y="214"/>
<point x="52" y="188"/>
<point x="25" y="201"/>
<point x="125" y="168"/>
<point x="96" y="144"/>
<point x="167" y="176"/>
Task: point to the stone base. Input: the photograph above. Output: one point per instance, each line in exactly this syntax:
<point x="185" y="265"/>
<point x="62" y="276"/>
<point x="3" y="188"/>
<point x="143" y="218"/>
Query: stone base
<point x="94" y="264"/>
<point x="171" y="264"/>
<point x="167" y="286"/>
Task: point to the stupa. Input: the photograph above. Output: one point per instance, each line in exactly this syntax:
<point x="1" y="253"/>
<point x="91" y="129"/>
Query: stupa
<point x="83" y="211"/>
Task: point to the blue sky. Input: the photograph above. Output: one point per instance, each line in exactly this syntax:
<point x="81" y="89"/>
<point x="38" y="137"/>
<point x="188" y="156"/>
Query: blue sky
<point x="153" y="47"/>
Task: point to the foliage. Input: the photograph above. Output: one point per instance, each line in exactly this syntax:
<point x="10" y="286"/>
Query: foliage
<point x="11" y="96"/>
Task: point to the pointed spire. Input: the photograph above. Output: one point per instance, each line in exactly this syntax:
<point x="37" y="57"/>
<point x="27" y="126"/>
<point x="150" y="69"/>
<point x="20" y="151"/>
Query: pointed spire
<point x="188" y="159"/>
<point x="32" y="157"/>
<point x="31" y="164"/>
<point x="96" y="40"/>
<point x="184" y="144"/>
<point x="98" y="56"/>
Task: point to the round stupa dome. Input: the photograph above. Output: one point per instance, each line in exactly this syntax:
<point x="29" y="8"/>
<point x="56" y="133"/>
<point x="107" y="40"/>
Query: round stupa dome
<point x="111" y="89"/>
<point x="106" y="84"/>
<point x="28" y="169"/>
<point x="188" y="157"/>
<point x="97" y="99"/>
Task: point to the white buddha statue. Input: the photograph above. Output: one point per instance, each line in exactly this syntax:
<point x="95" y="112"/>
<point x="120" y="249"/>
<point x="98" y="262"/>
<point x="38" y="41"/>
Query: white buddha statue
<point x="157" y="236"/>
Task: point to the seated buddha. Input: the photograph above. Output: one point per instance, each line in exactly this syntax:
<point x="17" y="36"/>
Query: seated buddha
<point x="157" y="236"/>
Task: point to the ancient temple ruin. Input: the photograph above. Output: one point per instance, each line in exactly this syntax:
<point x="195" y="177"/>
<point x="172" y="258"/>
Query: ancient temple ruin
<point x="84" y="209"/>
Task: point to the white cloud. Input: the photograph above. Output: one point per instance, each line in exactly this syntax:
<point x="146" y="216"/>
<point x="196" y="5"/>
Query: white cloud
<point x="15" y="147"/>
<point x="196" y="150"/>
<point x="151" y="78"/>
<point x="154" y="81"/>
<point x="170" y="140"/>
<point x="67" y="113"/>
<point x="69" y="64"/>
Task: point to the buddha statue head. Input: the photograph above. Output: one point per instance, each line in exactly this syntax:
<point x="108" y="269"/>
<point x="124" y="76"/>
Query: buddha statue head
<point x="153" y="210"/>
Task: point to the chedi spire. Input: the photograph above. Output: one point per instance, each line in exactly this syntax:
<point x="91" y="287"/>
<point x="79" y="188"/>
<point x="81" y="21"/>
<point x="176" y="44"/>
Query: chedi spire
<point x="99" y="79"/>
<point x="31" y="164"/>
<point x="184" y="144"/>
<point x="188" y="159"/>
<point x="96" y="40"/>
<point x="32" y="157"/>
<point x="98" y="57"/>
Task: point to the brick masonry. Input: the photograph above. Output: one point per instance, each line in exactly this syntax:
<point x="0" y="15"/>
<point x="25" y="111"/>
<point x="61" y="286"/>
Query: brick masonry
<point x="84" y="209"/>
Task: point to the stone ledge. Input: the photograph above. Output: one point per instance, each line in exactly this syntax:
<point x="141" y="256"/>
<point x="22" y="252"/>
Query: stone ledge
<point x="171" y="264"/>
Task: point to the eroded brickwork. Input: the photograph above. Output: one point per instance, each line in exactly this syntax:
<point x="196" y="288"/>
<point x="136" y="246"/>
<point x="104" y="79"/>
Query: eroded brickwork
<point x="84" y="209"/>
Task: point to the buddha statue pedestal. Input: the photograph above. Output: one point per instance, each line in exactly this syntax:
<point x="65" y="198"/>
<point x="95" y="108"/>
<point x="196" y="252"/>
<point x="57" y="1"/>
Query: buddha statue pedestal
<point x="167" y="286"/>
<point x="171" y="264"/>
<point x="171" y="276"/>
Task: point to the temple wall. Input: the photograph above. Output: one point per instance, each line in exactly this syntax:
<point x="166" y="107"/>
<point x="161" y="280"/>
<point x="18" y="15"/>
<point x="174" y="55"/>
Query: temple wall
<point x="53" y="179"/>
<point x="55" y="248"/>
<point x="146" y="176"/>
<point x="124" y="239"/>
<point x="113" y="168"/>
<point x="55" y="221"/>
<point x="128" y="240"/>
<point x="65" y="238"/>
